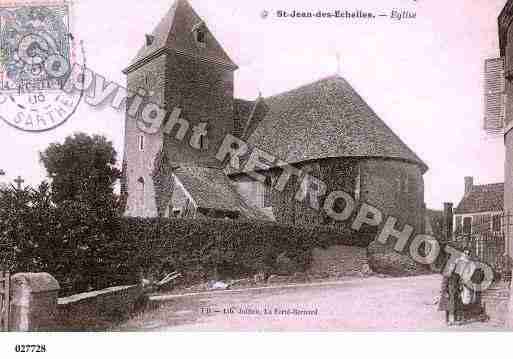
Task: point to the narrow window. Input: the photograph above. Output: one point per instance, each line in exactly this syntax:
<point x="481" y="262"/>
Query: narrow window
<point x="268" y="192"/>
<point x="140" y="193"/>
<point x="467" y="225"/>
<point x="203" y="142"/>
<point x="141" y="143"/>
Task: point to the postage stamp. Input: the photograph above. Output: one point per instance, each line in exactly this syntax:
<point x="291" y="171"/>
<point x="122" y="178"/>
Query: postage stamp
<point x="36" y="49"/>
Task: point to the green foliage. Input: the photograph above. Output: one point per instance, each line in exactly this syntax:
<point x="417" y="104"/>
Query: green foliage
<point x="201" y="248"/>
<point x="70" y="240"/>
<point x="82" y="169"/>
<point x="85" y="249"/>
<point x="90" y="247"/>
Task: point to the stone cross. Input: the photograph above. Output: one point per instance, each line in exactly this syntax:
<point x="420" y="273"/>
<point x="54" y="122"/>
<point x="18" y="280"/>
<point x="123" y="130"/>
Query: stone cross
<point x="18" y="182"/>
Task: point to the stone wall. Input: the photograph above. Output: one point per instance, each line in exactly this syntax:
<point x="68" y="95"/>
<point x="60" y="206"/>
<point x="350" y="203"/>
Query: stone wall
<point x="140" y="164"/>
<point x="396" y="188"/>
<point x="496" y="301"/>
<point x="97" y="310"/>
<point x="338" y="174"/>
<point x="338" y="261"/>
<point x="384" y="259"/>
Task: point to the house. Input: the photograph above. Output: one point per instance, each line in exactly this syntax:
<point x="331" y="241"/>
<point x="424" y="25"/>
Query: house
<point x="480" y="210"/>
<point x="505" y="21"/>
<point x="324" y="128"/>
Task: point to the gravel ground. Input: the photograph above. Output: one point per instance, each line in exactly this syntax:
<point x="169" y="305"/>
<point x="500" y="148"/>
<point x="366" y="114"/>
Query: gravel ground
<point x="376" y="304"/>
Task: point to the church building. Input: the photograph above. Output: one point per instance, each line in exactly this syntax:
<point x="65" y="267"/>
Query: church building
<point x="324" y="128"/>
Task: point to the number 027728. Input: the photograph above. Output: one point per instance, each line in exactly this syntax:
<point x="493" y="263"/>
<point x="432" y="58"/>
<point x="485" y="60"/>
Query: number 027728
<point x="30" y="348"/>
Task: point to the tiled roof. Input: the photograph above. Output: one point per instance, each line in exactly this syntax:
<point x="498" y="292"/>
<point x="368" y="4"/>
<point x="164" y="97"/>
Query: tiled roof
<point x="174" y="32"/>
<point x="326" y="119"/>
<point x="212" y="189"/>
<point x="482" y="198"/>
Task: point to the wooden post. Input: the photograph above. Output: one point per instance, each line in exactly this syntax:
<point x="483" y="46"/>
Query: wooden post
<point x="7" y="299"/>
<point x="4" y="300"/>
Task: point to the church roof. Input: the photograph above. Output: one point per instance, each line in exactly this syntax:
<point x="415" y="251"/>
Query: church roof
<point x="210" y="188"/>
<point x="326" y="119"/>
<point x="482" y="198"/>
<point x="175" y="33"/>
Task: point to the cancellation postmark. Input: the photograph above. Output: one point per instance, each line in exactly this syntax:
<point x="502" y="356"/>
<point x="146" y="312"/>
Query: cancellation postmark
<point x="36" y="52"/>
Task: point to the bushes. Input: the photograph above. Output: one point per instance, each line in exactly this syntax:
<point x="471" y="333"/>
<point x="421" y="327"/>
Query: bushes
<point x="71" y="241"/>
<point x="87" y="248"/>
<point x="203" y="248"/>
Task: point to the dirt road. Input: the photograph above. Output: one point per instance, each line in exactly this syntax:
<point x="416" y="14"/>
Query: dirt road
<point x="405" y="304"/>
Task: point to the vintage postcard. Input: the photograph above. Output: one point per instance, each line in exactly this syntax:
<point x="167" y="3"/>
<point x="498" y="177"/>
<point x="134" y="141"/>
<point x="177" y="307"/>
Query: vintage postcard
<point x="273" y="166"/>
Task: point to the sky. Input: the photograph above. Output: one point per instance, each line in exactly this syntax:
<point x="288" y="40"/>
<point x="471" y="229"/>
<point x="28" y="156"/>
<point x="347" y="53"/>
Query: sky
<point x="422" y="76"/>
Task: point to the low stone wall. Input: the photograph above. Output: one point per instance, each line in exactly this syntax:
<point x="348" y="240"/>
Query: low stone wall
<point x="496" y="299"/>
<point x="384" y="259"/>
<point x="97" y="310"/>
<point x="338" y="261"/>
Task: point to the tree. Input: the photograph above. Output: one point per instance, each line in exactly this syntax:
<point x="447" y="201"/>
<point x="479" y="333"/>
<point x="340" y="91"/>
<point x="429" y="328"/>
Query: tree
<point x="25" y="224"/>
<point x="82" y="169"/>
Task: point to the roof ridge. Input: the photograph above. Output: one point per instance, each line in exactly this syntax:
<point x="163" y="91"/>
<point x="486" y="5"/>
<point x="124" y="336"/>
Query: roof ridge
<point x="481" y="187"/>
<point x="489" y="184"/>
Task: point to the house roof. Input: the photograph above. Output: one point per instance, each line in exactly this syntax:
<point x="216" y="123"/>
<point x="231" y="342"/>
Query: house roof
<point x="210" y="188"/>
<point x="326" y="119"/>
<point x="174" y="32"/>
<point x="482" y="198"/>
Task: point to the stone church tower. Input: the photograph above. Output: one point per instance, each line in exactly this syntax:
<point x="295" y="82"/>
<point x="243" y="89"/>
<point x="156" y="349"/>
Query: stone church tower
<point x="183" y="68"/>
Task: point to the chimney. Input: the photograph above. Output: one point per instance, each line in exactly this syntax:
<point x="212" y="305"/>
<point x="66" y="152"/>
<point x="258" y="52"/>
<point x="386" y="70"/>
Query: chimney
<point x="469" y="183"/>
<point x="447" y="221"/>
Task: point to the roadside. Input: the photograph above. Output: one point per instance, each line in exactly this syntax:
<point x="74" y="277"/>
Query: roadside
<point x="369" y="304"/>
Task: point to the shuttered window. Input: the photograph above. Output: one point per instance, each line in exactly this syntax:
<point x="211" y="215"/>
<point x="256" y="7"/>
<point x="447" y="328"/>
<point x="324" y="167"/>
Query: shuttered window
<point x="495" y="99"/>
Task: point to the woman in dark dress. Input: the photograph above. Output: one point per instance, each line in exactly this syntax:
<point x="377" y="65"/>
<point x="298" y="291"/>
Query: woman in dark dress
<point x="450" y="298"/>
